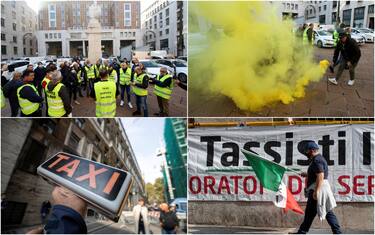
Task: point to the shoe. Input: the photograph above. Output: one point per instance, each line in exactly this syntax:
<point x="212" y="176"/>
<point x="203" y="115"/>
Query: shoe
<point x="332" y="80"/>
<point x="130" y="105"/>
<point x="122" y="103"/>
<point x="76" y="102"/>
<point x="136" y="113"/>
<point x="351" y="82"/>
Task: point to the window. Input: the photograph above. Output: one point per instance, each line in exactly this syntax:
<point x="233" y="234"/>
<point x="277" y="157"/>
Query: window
<point x="14" y="3"/>
<point x="127" y="14"/>
<point x="14" y="16"/>
<point x="62" y="16"/>
<point x="347" y="15"/>
<point x="155" y="27"/>
<point x="325" y="7"/>
<point x="74" y="141"/>
<point x="3" y="50"/>
<point x="334" y="4"/>
<point x="320" y="9"/>
<point x="15" y="50"/>
<point x="2" y="22"/>
<point x="52" y="15"/>
<point x="347" y="2"/>
<point x="15" y="39"/>
<point x="24" y="51"/>
<point x="167" y="31"/>
<point x="14" y="26"/>
<point x="167" y="21"/>
<point x="2" y="9"/>
<point x="13" y="213"/>
<point x="3" y="38"/>
<point x="32" y="155"/>
<point x="46" y="35"/>
<point x="333" y="17"/>
<point x="296" y="6"/>
<point x="161" y="15"/>
<point x="371" y="9"/>
<point x="161" y="33"/>
<point x="359" y="15"/>
<point x="167" y="12"/>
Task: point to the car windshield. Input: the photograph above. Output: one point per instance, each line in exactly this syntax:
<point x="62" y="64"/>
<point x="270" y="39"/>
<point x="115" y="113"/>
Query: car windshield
<point x="324" y="33"/>
<point x="149" y="64"/>
<point x="179" y="63"/>
<point x="364" y="31"/>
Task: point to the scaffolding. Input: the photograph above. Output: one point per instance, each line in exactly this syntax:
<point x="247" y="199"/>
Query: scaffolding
<point x="176" y="157"/>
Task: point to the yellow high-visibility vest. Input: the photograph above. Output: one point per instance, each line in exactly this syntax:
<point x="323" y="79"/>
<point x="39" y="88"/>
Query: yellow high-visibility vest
<point x="139" y="80"/>
<point x="105" y="92"/>
<point x="164" y="92"/>
<point x="55" y="103"/>
<point x="27" y="107"/>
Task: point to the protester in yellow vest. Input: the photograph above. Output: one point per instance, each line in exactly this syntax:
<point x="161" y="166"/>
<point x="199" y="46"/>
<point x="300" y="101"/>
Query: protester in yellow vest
<point x="2" y="99"/>
<point x="105" y="96"/>
<point x="58" y="97"/>
<point x="308" y="35"/>
<point x="112" y="74"/>
<point x="140" y="85"/>
<point x="28" y="97"/>
<point x="49" y="69"/>
<point x="90" y="78"/>
<point x="125" y="77"/>
<point x="163" y="91"/>
<point x="97" y="68"/>
<point x="104" y="66"/>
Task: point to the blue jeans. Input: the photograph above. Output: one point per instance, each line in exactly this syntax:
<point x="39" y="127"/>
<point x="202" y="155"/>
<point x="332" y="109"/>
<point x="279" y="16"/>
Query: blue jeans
<point x="164" y="231"/>
<point x="123" y="89"/>
<point x="142" y="102"/>
<point x="310" y="213"/>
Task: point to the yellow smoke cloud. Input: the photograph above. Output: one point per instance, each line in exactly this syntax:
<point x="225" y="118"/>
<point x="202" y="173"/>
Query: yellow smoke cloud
<point x="243" y="50"/>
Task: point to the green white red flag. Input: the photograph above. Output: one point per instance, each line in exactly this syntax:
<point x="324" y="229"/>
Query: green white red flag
<point x="270" y="175"/>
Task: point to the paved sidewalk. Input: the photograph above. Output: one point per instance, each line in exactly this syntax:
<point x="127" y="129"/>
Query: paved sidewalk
<point x="322" y="99"/>
<point x="214" y="229"/>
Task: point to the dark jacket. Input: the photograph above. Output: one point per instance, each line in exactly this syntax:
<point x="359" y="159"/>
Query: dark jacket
<point x="29" y="94"/>
<point x="40" y="73"/>
<point x="64" y="95"/>
<point x="349" y="50"/>
<point x="165" y="83"/>
<point x="10" y="90"/>
<point x="64" y="220"/>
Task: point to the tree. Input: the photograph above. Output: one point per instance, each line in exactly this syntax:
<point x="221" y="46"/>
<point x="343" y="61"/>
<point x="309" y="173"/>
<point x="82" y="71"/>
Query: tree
<point x="155" y="191"/>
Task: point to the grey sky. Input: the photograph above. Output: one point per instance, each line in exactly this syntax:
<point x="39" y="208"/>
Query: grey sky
<point x="146" y="136"/>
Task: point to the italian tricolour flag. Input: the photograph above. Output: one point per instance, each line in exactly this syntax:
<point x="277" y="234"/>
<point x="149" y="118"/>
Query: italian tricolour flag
<point x="270" y="175"/>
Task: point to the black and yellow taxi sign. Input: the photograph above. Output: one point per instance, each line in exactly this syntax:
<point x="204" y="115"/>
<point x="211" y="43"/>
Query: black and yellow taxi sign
<point x="104" y="187"/>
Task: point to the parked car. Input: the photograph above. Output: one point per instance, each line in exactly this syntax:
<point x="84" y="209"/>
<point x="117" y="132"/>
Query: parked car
<point x="153" y="68"/>
<point x="323" y="38"/>
<point x="367" y="34"/>
<point x="182" y="58"/>
<point x="18" y="65"/>
<point x="181" y="211"/>
<point x="359" y="39"/>
<point x="179" y="66"/>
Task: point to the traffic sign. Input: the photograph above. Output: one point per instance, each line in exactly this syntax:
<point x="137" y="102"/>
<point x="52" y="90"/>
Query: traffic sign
<point x="104" y="187"/>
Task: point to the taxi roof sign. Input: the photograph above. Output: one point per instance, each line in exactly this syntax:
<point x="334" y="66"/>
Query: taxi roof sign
<point x="104" y="187"/>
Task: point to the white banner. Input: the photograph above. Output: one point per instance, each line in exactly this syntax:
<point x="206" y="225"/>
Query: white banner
<point x="219" y="171"/>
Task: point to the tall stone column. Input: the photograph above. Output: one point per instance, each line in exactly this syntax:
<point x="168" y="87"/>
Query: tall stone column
<point x="94" y="33"/>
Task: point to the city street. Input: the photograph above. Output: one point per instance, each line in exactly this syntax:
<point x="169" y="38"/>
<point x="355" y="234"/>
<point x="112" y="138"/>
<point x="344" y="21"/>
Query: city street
<point x="322" y="99"/>
<point x="86" y="108"/>
<point x="209" y="229"/>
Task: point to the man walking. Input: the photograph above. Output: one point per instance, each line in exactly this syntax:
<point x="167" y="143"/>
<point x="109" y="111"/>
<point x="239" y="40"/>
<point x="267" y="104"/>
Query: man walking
<point x="141" y="222"/>
<point x="168" y="220"/>
<point x="318" y="191"/>
<point x="350" y="55"/>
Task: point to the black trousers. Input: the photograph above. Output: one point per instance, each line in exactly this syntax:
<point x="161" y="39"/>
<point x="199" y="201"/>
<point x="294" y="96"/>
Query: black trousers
<point x="310" y="213"/>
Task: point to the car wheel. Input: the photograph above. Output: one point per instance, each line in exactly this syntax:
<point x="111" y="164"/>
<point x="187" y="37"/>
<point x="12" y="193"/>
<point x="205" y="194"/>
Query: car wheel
<point x="182" y="78"/>
<point x="320" y="44"/>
